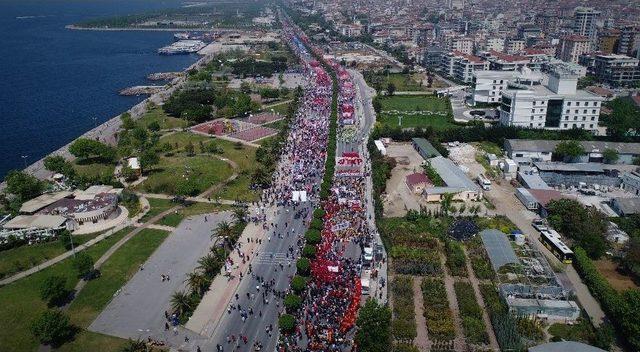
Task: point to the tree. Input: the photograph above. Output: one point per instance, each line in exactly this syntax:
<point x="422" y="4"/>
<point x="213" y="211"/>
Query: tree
<point x="374" y="322"/>
<point x="180" y="302"/>
<point x="568" y="150"/>
<point x="84" y="148"/>
<point x="83" y="264"/>
<point x="391" y="89"/>
<point x="585" y="226"/>
<point x="52" y="327"/>
<point x="610" y="156"/>
<point x="292" y="303"/>
<point x="127" y="121"/>
<point x="303" y="265"/>
<point x="209" y="265"/>
<point x="189" y="149"/>
<point x="23" y="185"/>
<point x="298" y="284"/>
<point x="287" y="323"/>
<point x="445" y="203"/>
<point x="53" y="290"/>
<point x="149" y="158"/>
<point x="154" y="126"/>
<point x="59" y="164"/>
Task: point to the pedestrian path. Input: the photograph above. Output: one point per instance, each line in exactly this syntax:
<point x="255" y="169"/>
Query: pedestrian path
<point x="422" y="337"/>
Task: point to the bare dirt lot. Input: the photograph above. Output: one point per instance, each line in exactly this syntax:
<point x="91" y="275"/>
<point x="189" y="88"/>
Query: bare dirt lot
<point x="619" y="281"/>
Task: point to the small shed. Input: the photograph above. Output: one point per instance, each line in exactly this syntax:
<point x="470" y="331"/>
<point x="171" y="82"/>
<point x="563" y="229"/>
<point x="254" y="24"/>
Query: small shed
<point x="417" y="182"/>
<point x="424" y="148"/>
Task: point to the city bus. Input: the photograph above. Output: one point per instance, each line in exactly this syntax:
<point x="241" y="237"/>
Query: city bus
<point x="551" y="239"/>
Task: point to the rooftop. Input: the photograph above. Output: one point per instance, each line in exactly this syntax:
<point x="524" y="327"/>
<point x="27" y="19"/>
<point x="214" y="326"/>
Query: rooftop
<point x="498" y="248"/>
<point x="417" y="178"/>
<point x="426" y="147"/>
<point x="41" y="201"/>
<point x="451" y="174"/>
<point x="35" y="221"/>
<point x="569" y="167"/>
<point x="534" y="145"/>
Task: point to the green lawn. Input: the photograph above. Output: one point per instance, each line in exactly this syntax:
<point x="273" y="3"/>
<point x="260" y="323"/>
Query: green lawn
<point x="179" y="140"/>
<point x="24" y="257"/>
<point x="421" y="111"/>
<point x="87" y="340"/>
<point x="280" y="108"/>
<point x="237" y="189"/>
<point x="174" y="219"/>
<point x="404" y="82"/>
<point x="414" y="102"/>
<point x="165" y="121"/>
<point x="22" y="303"/>
<point x="115" y="272"/>
<point x="203" y="171"/>
<point x="157" y="207"/>
<point x="491" y="148"/>
<point x="582" y="331"/>
<point x="94" y="170"/>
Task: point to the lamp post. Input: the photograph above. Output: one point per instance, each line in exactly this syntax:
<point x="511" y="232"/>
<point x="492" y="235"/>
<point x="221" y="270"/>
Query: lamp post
<point x="24" y="160"/>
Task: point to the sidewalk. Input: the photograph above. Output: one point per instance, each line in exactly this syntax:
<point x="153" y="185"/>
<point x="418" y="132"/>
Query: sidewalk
<point x="206" y="317"/>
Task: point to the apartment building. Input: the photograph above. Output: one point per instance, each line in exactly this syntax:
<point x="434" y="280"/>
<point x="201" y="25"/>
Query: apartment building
<point x="607" y="41"/>
<point x="499" y="61"/>
<point x="584" y="22"/>
<point x="465" y="67"/>
<point x="461" y="44"/>
<point x="514" y="45"/>
<point x="616" y="70"/>
<point x="629" y="40"/>
<point x="495" y="44"/>
<point x="489" y="85"/>
<point x="554" y="105"/>
<point x="572" y="46"/>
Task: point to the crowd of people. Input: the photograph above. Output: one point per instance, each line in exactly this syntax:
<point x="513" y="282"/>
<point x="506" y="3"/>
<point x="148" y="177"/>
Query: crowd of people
<point x="327" y="318"/>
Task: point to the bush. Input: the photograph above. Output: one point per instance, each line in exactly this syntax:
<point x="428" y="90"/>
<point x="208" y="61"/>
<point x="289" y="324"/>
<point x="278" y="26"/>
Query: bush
<point x="470" y="313"/>
<point x="53" y="290"/>
<point x="52" y="327"/>
<point x="292" y="303"/>
<point x="304" y="266"/>
<point x="436" y="309"/>
<point x="318" y="214"/>
<point x="456" y="260"/>
<point x="403" y="325"/>
<point x="287" y="323"/>
<point x="313" y="237"/>
<point x="298" y="284"/>
<point x="309" y="252"/>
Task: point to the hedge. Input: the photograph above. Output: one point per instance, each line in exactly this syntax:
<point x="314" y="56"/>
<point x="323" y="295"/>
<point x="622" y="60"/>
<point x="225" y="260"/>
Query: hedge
<point x="470" y="313"/>
<point x="622" y="309"/>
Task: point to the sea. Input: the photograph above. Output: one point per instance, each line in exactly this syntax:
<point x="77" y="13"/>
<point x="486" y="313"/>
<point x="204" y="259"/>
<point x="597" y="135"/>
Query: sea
<point x="57" y="83"/>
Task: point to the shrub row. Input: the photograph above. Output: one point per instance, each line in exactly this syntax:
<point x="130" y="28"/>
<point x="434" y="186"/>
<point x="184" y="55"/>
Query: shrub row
<point x="403" y="325"/>
<point x="436" y="310"/>
<point x="456" y="260"/>
<point x="470" y="313"/>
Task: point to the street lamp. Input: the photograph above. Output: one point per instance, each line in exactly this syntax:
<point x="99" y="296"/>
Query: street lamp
<point x="24" y="160"/>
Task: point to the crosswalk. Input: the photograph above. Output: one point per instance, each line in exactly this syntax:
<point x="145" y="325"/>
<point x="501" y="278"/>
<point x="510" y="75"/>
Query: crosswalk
<point x="271" y="258"/>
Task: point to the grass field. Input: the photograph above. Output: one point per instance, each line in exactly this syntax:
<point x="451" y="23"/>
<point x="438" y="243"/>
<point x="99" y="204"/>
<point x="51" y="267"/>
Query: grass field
<point x="202" y="171"/>
<point x="24" y="257"/>
<point x="157" y="206"/>
<point x="411" y="104"/>
<point x="165" y="121"/>
<point x="179" y="140"/>
<point x="404" y="82"/>
<point x="26" y="304"/>
<point x="280" y="108"/>
<point x="174" y="219"/>
<point x="94" y="170"/>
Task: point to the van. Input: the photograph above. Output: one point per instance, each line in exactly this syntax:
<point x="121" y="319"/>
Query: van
<point x="368" y="254"/>
<point x="484" y="182"/>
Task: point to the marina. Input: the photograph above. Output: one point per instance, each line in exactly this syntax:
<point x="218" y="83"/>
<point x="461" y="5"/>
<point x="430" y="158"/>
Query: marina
<point x="182" y="47"/>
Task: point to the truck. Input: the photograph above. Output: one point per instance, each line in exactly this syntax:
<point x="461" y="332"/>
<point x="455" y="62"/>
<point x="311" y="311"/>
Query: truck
<point x="484" y="182"/>
<point x="365" y="281"/>
<point x="367" y="255"/>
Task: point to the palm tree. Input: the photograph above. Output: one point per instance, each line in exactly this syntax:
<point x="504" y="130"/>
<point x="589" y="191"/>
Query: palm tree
<point x="209" y="265"/>
<point x="180" y="302"/>
<point x="197" y="282"/>
<point x="223" y="230"/>
<point x="240" y="214"/>
<point x="134" y="346"/>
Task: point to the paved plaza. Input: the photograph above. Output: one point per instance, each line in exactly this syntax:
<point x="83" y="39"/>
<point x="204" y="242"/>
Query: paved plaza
<point x="137" y="310"/>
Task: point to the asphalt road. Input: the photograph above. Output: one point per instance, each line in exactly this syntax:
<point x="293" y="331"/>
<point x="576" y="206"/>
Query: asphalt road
<point x="273" y="254"/>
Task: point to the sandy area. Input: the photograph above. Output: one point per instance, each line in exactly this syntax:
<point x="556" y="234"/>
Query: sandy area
<point x="620" y="282"/>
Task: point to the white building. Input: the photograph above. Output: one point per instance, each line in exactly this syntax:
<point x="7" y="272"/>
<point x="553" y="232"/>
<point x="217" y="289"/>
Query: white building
<point x="556" y="105"/>
<point x="496" y="44"/>
<point x="489" y="85"/>
<point x="465" y="67"/>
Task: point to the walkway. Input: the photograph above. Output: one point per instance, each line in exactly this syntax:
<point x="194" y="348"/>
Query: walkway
<point x="422" y="338"/>
<point x="459" y="341"/>
<point x="493" y="342"/>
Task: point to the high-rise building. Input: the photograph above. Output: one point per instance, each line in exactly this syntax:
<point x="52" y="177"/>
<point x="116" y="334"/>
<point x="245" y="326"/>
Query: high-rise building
<point x="584" y="22"/>
<point x="572" y="46"/>
<point x="607" y="40"/>
<point x="627" y="43"/>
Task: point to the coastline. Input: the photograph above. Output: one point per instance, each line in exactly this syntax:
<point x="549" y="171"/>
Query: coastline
<point x="106" y="132"/>
<point x="118" y="29"/>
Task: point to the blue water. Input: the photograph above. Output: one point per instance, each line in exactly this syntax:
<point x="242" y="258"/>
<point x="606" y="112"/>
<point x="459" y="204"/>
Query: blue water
<point x="55" y="81"/>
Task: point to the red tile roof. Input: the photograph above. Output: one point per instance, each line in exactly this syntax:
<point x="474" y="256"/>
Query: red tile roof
<point x="544" y="196"/>
<point x="417" y="178"/>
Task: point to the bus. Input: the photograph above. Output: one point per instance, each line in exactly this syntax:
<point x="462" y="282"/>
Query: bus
<point x="551" y="239"/>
